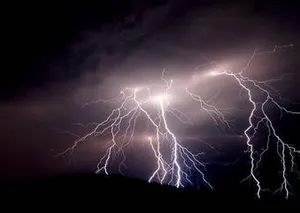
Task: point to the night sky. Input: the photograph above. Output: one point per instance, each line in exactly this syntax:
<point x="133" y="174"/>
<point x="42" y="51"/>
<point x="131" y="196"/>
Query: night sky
<point x="57" y="57"/>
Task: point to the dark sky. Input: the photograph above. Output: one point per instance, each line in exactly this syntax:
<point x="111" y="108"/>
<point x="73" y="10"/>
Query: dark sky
<point x="58" y="56"/>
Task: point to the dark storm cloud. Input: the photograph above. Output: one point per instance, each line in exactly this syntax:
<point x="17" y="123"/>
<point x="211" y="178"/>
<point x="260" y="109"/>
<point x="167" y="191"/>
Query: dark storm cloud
<point x="120" y="56"/>
<point x="140" y="45"/>
<point x="132" y="47"/>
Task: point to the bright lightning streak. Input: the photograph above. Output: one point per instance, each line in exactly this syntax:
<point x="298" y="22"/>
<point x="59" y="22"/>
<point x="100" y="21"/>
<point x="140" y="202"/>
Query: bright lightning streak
<point x="172" y="167"/>
<point x="251" y="86"/>
<point x="175" y="162"/>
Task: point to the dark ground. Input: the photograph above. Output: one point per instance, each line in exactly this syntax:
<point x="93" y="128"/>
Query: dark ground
<point x="115" y="192"/>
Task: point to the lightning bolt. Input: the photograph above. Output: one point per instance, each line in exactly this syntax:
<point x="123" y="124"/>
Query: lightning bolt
<point x="173" y="167"/>
<point x="175" y="163"/>
<point x="252" y="86"/>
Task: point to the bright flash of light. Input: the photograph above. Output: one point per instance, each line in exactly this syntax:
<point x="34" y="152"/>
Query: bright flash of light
<point x="175" y="163"/>
<point x="215" y="73"/>
<point x="175" y="166"/>
<point x="159" y="99"/>
<point x="260" y="110"/>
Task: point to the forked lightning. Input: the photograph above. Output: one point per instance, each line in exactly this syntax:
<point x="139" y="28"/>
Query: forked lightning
<point x="174" y="162"/>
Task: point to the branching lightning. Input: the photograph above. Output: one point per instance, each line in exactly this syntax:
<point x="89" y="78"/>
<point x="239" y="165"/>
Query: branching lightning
<point x="173" y="168"/>
<point x="174" y="162"/>
<point x="259" y="109"/>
